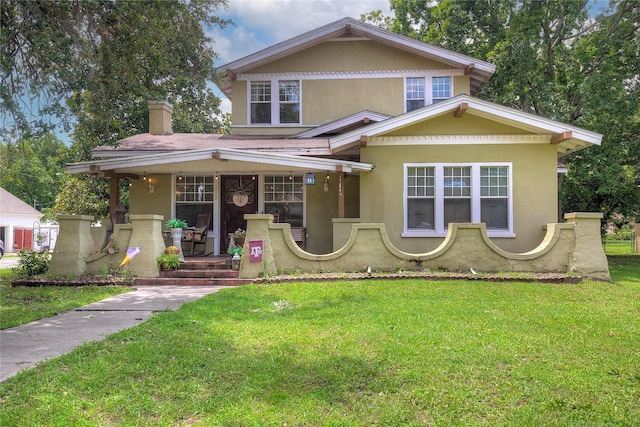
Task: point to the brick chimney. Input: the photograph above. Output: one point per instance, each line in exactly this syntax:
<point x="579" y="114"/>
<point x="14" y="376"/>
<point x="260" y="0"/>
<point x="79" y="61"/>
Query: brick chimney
<point x="160" y="119"/>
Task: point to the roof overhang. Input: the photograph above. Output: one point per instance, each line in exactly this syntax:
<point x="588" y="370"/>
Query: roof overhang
<point x="479" y="71"/>
<point x="106" y="166"/>
<point x="566" y="138"/>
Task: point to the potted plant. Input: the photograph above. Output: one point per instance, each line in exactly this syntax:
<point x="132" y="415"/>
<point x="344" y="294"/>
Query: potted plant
<point x="236" y="256"/>
<point x="168" y="261"/>
<point x="177" y="226"/>
<point x="239" y="236"/>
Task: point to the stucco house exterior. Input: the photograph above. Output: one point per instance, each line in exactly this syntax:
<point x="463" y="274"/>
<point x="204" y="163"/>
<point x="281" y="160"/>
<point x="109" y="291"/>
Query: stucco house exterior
<point x="348" y="124"/>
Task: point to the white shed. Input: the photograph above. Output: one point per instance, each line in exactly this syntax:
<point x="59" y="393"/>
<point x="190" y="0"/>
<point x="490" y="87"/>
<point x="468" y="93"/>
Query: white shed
<point x="20" y="226"/>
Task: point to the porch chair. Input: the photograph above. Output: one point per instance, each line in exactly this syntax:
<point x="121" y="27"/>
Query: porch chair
<point x="300" y="236"/>
<point x="200" y="233"/>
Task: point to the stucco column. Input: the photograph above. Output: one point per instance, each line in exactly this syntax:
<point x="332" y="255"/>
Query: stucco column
<point x="588" y="258"/>
<point x="146" y="234"/>
<point x="73" y="247"/>
<point x="257" y="229"/>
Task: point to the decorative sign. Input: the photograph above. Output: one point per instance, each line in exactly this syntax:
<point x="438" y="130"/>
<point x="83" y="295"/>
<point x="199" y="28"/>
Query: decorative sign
<point x="255" y="250"/>
<point x="240" y="198"/>
<point x="310" y="179"/>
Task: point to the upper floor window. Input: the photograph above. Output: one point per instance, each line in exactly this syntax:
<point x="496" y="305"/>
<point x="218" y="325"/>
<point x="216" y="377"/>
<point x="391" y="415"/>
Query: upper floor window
<point x="261" y="102"/>
<point x="415" y="94"/>
<point x="441" y="88"/>
<point x="267" y="109"/>
<point x="439" y="194"/>
<point x="421" y="91"/>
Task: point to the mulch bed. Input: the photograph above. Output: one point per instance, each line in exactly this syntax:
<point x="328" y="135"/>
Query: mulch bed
<point x="324" y="277"/>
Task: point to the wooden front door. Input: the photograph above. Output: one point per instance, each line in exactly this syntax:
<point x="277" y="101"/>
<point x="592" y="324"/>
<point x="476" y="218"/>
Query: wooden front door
<point x="239" y="197"/>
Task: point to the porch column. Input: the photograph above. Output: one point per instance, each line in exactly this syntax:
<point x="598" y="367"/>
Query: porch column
<point x="116" y="211"/>
<point x="588" y="255"/>
<point x="73" y="247"/>
<point x="340" y="192"/>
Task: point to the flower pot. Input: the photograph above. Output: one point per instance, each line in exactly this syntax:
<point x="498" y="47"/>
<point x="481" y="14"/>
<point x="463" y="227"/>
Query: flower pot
<point x="176" y="235"/>
<point x="239" y="241"/>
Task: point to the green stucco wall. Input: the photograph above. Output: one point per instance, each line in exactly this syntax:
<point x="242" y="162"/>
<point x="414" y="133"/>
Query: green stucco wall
<point x="535" y="190"/>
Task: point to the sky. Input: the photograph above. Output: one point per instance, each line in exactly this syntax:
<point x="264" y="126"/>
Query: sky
<point x="263" y="23"/>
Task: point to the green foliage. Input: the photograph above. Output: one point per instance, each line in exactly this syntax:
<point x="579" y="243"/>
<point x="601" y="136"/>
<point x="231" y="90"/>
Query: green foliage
<point x="368" y="353"/>
<point x="168" y="261"/>
<point x="102" y="60"/>
<point x="176" y="223"/>
<point x="83" y="195"/>
<point x="236" y="250"/>
<point x="33" y="169"/>
<point x="32" y="263"/>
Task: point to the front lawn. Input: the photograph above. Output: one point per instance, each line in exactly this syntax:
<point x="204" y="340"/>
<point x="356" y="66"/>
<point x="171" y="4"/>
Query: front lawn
<point x="403" y="353"/>
<point x="21" y="304"/>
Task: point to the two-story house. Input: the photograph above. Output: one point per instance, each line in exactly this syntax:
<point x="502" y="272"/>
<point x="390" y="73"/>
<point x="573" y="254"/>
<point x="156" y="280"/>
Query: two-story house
<point x="350" y="122"/>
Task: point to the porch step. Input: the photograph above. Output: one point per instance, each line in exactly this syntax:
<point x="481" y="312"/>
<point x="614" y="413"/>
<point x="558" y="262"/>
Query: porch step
<point x="189" y="281"/>
<point x="200" y="274"/>
<point x="207" y="271"/>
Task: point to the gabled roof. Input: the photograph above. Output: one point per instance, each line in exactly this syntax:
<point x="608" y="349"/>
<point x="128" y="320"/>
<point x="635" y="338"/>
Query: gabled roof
<point x="566" y="137"/>
<point x="341" y="125"/>
<point x="10" y="205"/>
<point x="480" y="71"/>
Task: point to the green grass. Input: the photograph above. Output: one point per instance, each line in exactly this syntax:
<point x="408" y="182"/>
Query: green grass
<point x="412" y="352"/>
<point x="619" y="247"/>
<point x="21" y="304"/>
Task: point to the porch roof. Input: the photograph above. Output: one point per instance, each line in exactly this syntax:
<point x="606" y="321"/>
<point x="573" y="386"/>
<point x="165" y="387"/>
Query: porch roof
<point x="147" y="143"/>
<point x="292" y="162"/>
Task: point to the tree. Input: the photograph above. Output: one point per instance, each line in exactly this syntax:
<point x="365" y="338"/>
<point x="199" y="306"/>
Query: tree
<point x="556" y="60"/>
<point x="101" y="54"/>
<point x="33" y="169"/>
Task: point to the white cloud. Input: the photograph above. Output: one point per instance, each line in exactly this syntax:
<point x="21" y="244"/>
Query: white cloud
<point x="262" y="23"/>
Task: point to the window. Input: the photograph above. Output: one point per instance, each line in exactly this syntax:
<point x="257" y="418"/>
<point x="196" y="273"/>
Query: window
<point x="284" y="198"/>
<point x="441" y="88"/>
<point x="494" y="197"/>
<point x="261" y="102"/>
<point x="439" y="194"/>
<point x="421" y="91"/>
<point x="265" y="109"/>
<point x="414" y="93"/>
<point x="194" y="195"/>
<point x="457" y="194"/>
<point x="420" y="198"/>
<point x="289" y="91"/>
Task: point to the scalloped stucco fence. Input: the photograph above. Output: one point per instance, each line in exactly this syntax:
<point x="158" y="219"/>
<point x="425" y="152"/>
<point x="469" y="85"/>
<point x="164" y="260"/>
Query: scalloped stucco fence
<point x="570" y="247"/>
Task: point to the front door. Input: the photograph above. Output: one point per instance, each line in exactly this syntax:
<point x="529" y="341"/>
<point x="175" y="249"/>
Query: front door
<point x="239" y="197"/>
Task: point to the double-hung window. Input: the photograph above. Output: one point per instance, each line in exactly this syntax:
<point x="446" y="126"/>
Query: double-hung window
<point x="441" y="89"/>
<point x="414" y="93"/>
<point x="273" y="110"/>
<point x="436" y="195"/>
<point x="421" y="91"/>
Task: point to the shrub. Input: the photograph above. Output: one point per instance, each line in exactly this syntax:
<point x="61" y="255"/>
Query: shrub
<point x="32" y="263"/>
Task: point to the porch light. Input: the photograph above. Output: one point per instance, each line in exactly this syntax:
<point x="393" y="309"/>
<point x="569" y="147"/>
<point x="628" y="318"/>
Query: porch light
<point x="180" y="176"/>
<point x="326" y="183"/>
<point x="290" y="177"/>
<point x="144" y="176"/>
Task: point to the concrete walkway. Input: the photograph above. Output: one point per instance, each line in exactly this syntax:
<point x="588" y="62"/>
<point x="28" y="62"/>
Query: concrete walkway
<point x="26" y="345"/>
